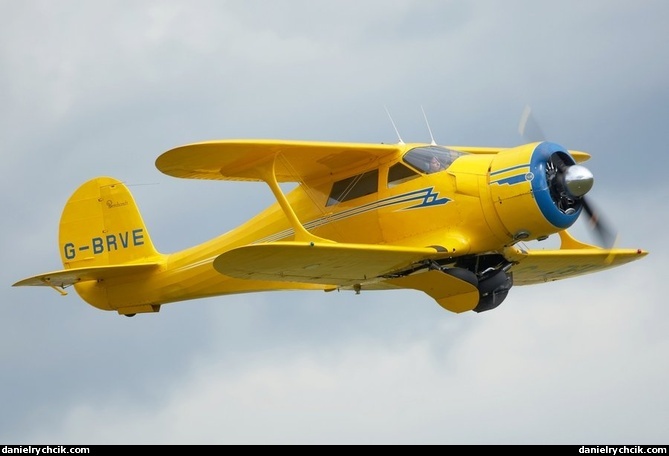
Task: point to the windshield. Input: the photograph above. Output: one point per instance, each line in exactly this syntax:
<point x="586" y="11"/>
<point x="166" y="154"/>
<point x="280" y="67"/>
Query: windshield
<point x="431" y="159"/>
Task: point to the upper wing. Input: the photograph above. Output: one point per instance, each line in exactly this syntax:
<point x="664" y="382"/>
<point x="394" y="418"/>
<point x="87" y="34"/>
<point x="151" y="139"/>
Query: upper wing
<point x="294" y="160"/>
<point x="578" y="156"/>
<point x="573" y="258"/>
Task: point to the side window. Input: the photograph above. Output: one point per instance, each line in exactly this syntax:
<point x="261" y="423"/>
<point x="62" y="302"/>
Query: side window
<point x="354" y="187"/>
<point x="398" y="173"/>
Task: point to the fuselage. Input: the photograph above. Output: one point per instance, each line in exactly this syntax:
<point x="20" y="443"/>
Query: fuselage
<point x="467" y="208"/>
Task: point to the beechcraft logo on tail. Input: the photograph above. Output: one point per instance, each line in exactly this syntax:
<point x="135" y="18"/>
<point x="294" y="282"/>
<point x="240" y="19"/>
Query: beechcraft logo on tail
<point x="112" y="204"/>
<point x="108" y="243"/>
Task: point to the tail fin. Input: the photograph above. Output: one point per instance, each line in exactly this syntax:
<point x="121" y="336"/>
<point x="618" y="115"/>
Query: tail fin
<point x="102" y="237"/>
<point x="101" y="226"/>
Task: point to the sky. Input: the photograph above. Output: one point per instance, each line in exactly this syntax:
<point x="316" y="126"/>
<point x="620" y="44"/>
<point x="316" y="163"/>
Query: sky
<point x="103" y="88"/>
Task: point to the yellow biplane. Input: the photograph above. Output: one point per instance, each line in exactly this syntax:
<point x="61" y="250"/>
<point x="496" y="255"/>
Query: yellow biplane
<point x="452" y="222"/>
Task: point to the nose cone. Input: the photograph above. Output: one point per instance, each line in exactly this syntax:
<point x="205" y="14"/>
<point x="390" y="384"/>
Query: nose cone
<point x="578" y="180"/>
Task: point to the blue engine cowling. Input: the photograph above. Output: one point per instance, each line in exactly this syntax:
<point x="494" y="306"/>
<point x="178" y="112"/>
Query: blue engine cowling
<point x="528" y="190"/>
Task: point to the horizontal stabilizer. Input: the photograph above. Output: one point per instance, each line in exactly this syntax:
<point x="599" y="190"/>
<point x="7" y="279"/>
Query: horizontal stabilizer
<point x="331" y="264"/>
<point x="67" y="277"/>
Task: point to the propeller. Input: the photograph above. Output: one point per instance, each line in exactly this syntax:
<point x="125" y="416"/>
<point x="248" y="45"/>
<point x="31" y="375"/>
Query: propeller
<point x="569" y="183"/>
<point x="607" y="237"/>
<point x="529" y="127"/>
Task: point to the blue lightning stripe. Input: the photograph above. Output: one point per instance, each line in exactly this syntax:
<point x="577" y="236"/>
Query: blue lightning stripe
<point x="511" y="180"/>
<point x="511" y="168"/>
<point x="428" y="199"/>
<point x="516" y="178"/>
<point x="426" y="196"/>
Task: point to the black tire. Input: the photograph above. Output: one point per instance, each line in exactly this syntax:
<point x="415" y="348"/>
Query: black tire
<point x="490" y="284"/>
<point x="490" y="301"/>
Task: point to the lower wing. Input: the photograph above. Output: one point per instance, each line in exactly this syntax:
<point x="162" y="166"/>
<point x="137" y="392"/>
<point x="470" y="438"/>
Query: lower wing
<point x="329" y="264"/>
<point x="572" y="259"/>
<point x="350" y="266"/>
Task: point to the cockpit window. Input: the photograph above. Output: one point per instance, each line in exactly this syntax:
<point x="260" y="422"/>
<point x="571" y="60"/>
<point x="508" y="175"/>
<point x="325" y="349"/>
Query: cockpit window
<point x="431" y="159"/>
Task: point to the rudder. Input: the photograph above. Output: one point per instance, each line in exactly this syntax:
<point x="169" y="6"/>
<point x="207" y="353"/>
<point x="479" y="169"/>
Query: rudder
<point x="101" y="225"/>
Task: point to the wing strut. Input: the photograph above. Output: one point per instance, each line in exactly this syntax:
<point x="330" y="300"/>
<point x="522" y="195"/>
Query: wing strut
<point x="60" y="290"/>
<point x="267" y="173"/>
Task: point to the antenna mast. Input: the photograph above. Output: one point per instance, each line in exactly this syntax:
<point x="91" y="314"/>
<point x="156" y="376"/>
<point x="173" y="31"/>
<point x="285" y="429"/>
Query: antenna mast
<point x="396" y="131"/>
<point x="428" y="127"/>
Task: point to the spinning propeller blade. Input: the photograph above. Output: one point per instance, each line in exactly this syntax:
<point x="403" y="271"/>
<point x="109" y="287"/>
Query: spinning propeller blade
<point x="529" y="127"/>
<point x="607" y="236"/>
<point x="571" y="182"/>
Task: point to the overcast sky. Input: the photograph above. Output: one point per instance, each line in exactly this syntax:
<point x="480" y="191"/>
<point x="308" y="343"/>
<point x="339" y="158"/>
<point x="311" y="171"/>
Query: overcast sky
<point x="104" y="87"/>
